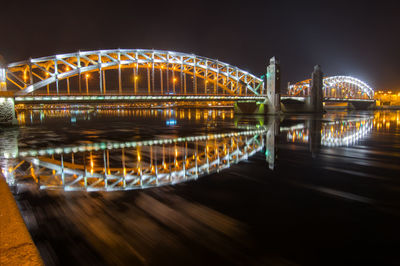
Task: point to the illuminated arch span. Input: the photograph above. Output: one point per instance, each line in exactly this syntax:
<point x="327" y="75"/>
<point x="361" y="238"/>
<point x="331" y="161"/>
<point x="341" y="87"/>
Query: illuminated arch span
<point x="33" y="74"/>
<point x="336" y="86"/>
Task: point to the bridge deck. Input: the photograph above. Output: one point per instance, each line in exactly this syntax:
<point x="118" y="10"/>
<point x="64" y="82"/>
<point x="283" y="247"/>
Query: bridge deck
<point x="327" y="99"/>
<point x="131" y="98"/>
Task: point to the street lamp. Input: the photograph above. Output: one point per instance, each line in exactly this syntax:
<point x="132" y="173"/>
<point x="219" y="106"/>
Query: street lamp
<point x="87" y="84"/>
<point x="67" y="69"/>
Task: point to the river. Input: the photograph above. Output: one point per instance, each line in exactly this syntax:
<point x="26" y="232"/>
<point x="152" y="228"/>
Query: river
<point x="205" y="186"/>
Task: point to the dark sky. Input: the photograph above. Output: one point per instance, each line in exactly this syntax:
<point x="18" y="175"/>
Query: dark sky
<point x="345" y="37"/>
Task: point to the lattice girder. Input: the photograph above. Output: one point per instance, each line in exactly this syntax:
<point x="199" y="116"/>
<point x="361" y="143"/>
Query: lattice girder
<point x="33" y="74"/>
<point x="335" y="86"/>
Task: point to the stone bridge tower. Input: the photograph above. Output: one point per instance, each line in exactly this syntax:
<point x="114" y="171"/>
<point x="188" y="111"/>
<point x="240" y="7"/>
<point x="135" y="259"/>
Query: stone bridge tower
<point x="316" y="85"/>
<point x="273" y="81"/>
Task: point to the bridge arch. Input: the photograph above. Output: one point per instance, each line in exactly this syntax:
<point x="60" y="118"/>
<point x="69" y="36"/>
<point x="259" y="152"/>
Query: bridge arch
<point x="335" y="87"/>
<point x="33" y="74"/>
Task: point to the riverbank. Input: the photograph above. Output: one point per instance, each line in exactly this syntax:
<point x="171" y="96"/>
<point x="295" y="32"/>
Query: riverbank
<point x="16" y="245"/>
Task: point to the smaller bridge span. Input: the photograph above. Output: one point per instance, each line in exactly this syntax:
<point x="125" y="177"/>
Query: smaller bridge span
<point x="335" y="88"/>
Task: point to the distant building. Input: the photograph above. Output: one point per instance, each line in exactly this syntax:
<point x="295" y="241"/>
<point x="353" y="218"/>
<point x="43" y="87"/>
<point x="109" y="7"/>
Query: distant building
<point x="387" y="98"/>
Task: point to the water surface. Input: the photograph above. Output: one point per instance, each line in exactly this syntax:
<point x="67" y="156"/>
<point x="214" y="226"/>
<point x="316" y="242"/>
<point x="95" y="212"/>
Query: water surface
<point x="206" y="186"/>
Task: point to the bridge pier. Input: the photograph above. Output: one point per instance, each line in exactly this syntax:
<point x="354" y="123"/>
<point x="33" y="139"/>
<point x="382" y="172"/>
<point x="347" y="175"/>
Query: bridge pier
<point x="273" y="86"/>
<point x="316" y="98"/>
<point x="272" y="103"/>
<point x="7" y="111"/>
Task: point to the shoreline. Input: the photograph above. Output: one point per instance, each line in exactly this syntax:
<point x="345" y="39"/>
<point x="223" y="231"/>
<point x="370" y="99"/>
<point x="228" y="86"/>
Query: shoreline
<point x="16" y="244"/>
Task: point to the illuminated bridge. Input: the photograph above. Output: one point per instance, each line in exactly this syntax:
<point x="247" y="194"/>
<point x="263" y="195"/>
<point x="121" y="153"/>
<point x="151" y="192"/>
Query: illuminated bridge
<point x="154" y="77"/>
<point x="336" y="88"/>
<point x="130" y="75"/>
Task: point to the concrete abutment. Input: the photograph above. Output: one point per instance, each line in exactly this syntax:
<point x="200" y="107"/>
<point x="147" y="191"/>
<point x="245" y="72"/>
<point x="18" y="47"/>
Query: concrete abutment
<point x="7" y="110"/>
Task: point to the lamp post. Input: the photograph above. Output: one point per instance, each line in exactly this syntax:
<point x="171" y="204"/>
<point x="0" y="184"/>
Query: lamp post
<point x="87" y="84"/>
<point x="67" y="69"/>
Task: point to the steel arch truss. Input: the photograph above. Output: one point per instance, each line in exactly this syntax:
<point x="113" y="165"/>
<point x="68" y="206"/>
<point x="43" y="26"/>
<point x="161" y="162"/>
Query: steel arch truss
<point x="336" y="86"/>
<point x="33" y="74"/>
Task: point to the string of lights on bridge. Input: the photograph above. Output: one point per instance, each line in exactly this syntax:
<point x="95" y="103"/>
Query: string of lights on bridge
<point x="62" y="74"/>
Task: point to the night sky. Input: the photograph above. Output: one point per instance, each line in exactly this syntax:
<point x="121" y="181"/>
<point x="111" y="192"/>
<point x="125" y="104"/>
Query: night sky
<point x="346" y="38"/>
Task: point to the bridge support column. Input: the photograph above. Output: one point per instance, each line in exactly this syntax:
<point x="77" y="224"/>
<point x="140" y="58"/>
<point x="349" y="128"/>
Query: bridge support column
<point x="7" y="111"/>
<point x="316" y="97"/>
<point x="273" y="86"/>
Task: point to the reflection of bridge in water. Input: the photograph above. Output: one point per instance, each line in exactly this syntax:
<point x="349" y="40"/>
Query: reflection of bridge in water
<point x="150" y="163"/>
<point x="337" y="133"/>
<point x="130" y="165"/>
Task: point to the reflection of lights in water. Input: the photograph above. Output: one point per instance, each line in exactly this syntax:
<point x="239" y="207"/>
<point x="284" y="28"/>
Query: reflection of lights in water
<point x="350" y="134"/>
<point x="21" y="118"/>
<point x="41" y="116"/>
<point x="384" y="121"/>
<point x="148" y="163"/>
<point x="171" y="122"/>
<point x="299" y="135"/>
<point x="336" y="133"/>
